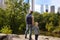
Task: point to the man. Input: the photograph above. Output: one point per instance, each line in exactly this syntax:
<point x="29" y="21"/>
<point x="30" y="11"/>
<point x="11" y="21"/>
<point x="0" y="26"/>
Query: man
<point x="29" y="24"/>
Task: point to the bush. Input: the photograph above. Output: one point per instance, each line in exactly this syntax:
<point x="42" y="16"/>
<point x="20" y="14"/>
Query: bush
<point x="6" y="30"/>
<point x="49" y="26"/>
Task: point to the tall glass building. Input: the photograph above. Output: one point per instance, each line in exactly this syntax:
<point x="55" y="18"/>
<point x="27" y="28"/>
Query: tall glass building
<point x="2" y="4"/>
<point x="42" y="8"/>
<point x="59" y="9"/>
<point x="52" y="9"/>
<point x="46" y="8"/>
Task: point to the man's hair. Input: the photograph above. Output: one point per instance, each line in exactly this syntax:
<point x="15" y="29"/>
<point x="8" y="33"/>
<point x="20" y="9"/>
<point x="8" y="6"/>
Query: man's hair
<point x="31" y="12"/>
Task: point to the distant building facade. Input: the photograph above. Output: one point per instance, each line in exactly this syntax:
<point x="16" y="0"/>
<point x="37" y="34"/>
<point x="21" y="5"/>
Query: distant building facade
<point x="42" y="8"/>
<point x="59" y="9"/>
<point x="46" y="6"/>
<point x="2" y="4"/>
<point x="52" y="9"/>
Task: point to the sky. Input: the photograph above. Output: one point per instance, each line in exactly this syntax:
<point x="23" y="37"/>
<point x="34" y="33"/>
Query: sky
<point x="38" y="3"/>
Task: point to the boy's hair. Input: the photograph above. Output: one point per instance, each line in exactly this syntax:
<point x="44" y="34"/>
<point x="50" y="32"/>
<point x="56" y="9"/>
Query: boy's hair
<point x="36" y="23"/>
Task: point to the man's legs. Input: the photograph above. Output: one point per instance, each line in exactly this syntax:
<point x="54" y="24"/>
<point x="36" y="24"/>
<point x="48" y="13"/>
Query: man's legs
<point x="26" y="31"/>
<point x="30" y="32"/>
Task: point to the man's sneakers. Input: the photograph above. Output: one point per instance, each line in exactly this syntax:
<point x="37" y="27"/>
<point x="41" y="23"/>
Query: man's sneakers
<point x="28" y="38"/>
<point x="25" y="37"/>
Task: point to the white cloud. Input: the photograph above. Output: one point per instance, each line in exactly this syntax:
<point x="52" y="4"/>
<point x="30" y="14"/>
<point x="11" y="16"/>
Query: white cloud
<point x="55" y="2"/>
<point x="37" y="8"/>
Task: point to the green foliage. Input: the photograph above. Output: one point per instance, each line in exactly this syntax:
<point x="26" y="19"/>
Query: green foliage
<point x="36" y="16"/>
<point x="49" y="26"/>
<point x="16" y="11"/>
<point x="56" y="30"/>
<point x="45" y="14"/>
<point x="6" y="30"/>
<point x="22" y="28"/>
<point x="14" y="16"/>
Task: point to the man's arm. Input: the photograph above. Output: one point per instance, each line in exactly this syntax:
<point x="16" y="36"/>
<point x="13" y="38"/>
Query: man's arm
<point x="32" y="20"/>
<point x="26" y="18"/>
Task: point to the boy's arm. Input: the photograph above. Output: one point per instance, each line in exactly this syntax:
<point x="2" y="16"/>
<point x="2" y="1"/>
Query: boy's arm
<point x="38" y="30"/>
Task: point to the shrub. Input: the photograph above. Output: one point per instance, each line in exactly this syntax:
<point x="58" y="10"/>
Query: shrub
<point x="6" y="30"/>
<point x="49" y="26"/>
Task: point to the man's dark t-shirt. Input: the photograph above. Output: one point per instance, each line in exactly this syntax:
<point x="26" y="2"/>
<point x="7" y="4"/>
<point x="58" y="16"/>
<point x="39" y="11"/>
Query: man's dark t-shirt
<point x="29" y="19"/>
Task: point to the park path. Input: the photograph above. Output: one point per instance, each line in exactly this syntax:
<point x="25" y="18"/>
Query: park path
<point x="21" y="37"/>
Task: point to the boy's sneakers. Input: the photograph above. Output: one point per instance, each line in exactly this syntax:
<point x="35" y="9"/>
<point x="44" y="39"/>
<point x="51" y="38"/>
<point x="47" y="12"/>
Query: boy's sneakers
<point x="31" y="39"/>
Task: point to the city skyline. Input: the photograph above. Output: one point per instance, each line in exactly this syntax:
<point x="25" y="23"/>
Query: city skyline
<point x="42" y="9"/>
<point x="52" y="9"/>
<point x="38" y="3"/>
<point x="48" y="2"/>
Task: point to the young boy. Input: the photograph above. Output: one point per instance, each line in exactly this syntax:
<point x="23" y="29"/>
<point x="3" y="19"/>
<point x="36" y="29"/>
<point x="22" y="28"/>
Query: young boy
<point x="36" y="30"/>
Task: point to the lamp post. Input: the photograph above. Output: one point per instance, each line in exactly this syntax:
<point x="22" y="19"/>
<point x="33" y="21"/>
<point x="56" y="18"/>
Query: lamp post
<point x="32" y="5"/>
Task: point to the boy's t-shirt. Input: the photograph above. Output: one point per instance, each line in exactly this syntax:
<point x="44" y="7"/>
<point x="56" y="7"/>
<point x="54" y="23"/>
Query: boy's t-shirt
<point x="36" y="30"/>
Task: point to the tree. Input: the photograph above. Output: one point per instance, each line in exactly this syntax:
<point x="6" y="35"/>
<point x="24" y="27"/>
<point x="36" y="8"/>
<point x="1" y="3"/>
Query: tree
<point x="2" y="17"/>
<point x="16" y="11"/>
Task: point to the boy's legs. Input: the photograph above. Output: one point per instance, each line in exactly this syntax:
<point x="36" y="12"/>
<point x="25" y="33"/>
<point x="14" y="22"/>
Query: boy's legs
<point x="36" y="37"/>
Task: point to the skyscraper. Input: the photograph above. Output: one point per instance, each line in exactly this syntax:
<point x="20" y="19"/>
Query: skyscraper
<point x="42" y="8"/>
<point x="52" y="9"/>
<point x="59" y="9"/>
<point x="46" y="6"/>
<point x="2" y="5"/>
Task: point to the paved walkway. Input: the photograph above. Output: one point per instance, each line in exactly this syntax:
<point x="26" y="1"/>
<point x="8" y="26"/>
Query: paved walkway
<point x="40" y="38"/>
<point x="22" y="37"/>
